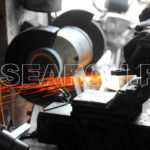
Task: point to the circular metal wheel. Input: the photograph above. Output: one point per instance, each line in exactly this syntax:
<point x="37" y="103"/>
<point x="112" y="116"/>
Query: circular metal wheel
<point x="83" y="20"/>
<point x="43" y="6"/>
<point x="23" y="49"/>
<point x="36" y="48"/>
<point x="47" y="60"/>
<point x="25" y="43"/>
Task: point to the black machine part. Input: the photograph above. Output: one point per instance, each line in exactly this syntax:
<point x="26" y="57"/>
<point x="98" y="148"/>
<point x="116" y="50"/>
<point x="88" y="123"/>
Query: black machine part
<point x="43" y="5"/>
<point x="26" y="42"/>
<point x="44" y="56"/>
<point x="136" y="52"/>
<point x="8" y="142"/>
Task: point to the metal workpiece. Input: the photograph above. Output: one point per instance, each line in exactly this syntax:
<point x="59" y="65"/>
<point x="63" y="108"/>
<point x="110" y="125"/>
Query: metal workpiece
<point x="43" y="5"/>
<point x="84" y="20"/>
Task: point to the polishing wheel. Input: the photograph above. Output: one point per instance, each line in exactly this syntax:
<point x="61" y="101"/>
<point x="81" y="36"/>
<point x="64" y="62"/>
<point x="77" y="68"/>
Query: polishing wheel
<point x="55" y="51"/>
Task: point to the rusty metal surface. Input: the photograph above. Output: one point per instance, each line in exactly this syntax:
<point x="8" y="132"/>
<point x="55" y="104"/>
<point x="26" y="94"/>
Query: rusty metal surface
<point x="43" y="5"/>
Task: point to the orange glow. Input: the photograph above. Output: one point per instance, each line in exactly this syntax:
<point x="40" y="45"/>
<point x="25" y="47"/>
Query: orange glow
<point x="49" y="85"/>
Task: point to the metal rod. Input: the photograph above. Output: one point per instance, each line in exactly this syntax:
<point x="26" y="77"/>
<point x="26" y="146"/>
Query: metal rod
<point x="48" y="109"/>
<point x="22" y="129"/>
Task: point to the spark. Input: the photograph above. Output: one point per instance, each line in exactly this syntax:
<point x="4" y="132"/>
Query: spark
<point x="50" y="86"/>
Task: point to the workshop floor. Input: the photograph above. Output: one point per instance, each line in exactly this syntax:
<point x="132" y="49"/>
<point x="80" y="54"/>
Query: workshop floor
<point x="35" y="145"/>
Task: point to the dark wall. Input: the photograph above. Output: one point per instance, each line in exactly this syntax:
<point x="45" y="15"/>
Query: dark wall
<point x="12" y="16"/>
